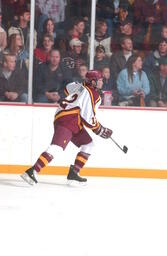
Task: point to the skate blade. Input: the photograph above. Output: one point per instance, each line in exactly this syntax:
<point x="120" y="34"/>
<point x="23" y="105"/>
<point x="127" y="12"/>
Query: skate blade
<point x="75" y="183"/>
<point x="26" y="178"/>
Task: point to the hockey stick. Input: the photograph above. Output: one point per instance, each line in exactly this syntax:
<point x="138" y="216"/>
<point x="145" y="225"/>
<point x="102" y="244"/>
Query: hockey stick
<point x="124" y="149"/>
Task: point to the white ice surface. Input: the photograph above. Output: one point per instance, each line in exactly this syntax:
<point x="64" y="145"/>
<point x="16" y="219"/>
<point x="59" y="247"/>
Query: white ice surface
<point x="108" y="217"/>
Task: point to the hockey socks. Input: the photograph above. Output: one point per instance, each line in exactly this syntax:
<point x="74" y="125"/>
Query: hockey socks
<point x="42" y="161"/>
<point x="80" y="160"/>
<point x="30" y="175"/>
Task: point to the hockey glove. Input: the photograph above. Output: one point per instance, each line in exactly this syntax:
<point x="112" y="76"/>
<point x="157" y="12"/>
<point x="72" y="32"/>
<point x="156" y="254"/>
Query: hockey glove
<point x="103" y="132"/>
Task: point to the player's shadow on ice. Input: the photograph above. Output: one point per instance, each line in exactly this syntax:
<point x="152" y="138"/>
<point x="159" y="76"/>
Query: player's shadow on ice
<point x="65" y="184"/>
<point x="12" y="183"/>
<point x="22" y="184"/>
<point x="48" y="183"/>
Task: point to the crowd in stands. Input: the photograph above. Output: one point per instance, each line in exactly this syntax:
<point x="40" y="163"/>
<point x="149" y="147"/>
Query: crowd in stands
<point x="130" y="49"/>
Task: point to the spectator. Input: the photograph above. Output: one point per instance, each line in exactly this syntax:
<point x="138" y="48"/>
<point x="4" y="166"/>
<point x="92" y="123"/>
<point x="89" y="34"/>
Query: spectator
<point x="125" y="10"/>
<point x="22" y="28"/>
<point x="62" y="44"/>
<point x="150" y="15"/>
<point x="78" y="8"/>
<point x="77" y="30"/>
<point x="54" y="9"/>
<point x="158" y="84"/>
<point x="164" y="32"/>
<point x="120" y="58"/>
<point x="8" y="10"/>
<point x="129" y="4"/>
<point x="108" y="85"/>
<point x="50" y="79"/>
<point x="107" y="80"/>
<point x="18" y="6"/>
<point x="152" y="60"/>
<point x="42" y="54"/>
<point x="3" y="35"/>
<point x="126" y="28"/>
<point x="75" y="57"/>
<point x="100" y="59"/>
<point x="101" y="37"/>
<point x="81" y="74"/>
<point x="132" y="83"/>
<point x="13" y="85"/>
<point x="106" y="10"/>
<point x="15" y="47"/>
<point x="48" y="28"/>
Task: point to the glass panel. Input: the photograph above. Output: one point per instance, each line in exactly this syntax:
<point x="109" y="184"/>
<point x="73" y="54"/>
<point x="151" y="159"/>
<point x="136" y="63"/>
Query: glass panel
<point x="130" y="49"/>
<point x="14" y="50"/>
<point x="137" y="69"/>
<point x="61" y="55"/>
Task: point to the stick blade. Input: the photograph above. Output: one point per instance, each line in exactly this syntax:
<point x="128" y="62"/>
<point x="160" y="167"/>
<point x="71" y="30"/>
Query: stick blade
<point x="125" y="149"/>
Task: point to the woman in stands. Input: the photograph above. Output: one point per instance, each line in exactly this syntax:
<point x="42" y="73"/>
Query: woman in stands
<point x="132" y="82"/>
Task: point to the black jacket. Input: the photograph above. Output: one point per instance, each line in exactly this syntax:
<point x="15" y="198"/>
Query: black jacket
<point x="15" y="83"/>
<point x="51" y="81"/>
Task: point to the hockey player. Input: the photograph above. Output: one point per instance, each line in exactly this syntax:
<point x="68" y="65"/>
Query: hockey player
<point x="75" y="111"/>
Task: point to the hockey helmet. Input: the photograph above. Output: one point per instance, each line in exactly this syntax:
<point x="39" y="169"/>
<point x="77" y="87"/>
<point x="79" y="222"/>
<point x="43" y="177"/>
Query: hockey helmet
<point x="93" y="75"/>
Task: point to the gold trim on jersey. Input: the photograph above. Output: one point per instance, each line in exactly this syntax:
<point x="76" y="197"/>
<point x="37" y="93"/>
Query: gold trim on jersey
<point x="89" y="125"/>
<point x="92" y="99"/>
<point x="97" y="100"/>
<point x="70" y="112"/>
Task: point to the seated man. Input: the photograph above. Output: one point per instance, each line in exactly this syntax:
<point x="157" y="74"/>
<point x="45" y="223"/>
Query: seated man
<point x="152" y="60"/>
<point x="158" y="85"/>
<point x="75" y="56"/>
<point x="119" y="59"/>
<point x="81" y="73"/>
<point x="126" y="28"/>
<point x="50" y="79"/>
<point x="13" y="84"/>
<point x="101" y="37"/>
<point x="100" y="59"/>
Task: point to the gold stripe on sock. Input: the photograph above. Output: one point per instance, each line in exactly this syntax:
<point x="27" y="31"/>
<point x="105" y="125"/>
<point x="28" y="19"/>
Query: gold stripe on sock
<point x="44" y="160"/>
<point x="81" y="159"/>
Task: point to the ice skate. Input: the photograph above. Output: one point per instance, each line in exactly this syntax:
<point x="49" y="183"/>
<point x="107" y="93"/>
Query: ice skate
<point x="74" y="176"/>
<point x="29" y="176"/>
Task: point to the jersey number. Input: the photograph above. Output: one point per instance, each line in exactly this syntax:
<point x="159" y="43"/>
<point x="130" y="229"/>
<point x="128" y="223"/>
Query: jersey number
<point x="65" y="102"/>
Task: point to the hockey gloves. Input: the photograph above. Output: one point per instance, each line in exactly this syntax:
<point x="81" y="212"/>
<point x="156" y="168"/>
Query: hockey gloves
<point x="103" y="132"/>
